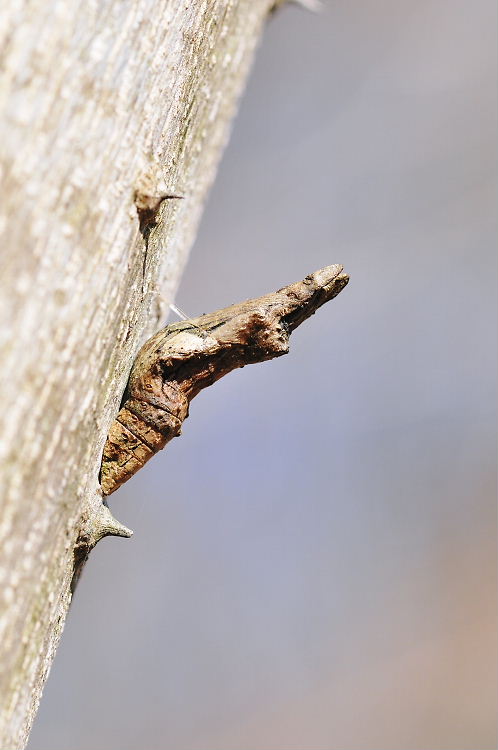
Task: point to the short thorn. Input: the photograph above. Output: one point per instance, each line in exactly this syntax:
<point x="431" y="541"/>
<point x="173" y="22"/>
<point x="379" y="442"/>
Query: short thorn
<point x="314" y="5"/>
<point x="104" y="524"/>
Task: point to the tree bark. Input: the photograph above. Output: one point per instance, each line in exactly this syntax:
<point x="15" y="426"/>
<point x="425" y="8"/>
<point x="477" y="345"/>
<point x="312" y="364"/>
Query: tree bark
<point x="108" y="108"/>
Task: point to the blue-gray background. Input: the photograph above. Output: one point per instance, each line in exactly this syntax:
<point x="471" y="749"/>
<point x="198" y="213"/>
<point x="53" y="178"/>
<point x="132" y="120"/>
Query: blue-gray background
<point x="313" y="565"/>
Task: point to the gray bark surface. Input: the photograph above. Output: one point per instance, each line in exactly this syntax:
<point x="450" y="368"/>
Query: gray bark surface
<point x="107" y="106"/>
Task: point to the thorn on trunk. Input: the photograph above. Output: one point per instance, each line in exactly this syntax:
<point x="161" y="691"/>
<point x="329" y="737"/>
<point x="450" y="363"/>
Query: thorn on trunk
<point x="148" y="205"/>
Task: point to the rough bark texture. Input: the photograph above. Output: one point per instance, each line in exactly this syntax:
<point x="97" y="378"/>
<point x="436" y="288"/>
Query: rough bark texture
<point x="108" y="108"/>
<point x="178" y="362"/>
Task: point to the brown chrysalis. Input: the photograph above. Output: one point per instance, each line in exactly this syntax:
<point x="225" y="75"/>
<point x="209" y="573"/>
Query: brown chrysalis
<point x="182" y="359"/>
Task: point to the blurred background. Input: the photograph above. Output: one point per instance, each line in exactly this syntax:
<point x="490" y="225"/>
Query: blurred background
<point x="314" y="561"/>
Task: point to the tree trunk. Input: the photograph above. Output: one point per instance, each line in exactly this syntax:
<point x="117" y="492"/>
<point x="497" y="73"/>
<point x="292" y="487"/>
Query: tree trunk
<point x="108" y="108"/>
